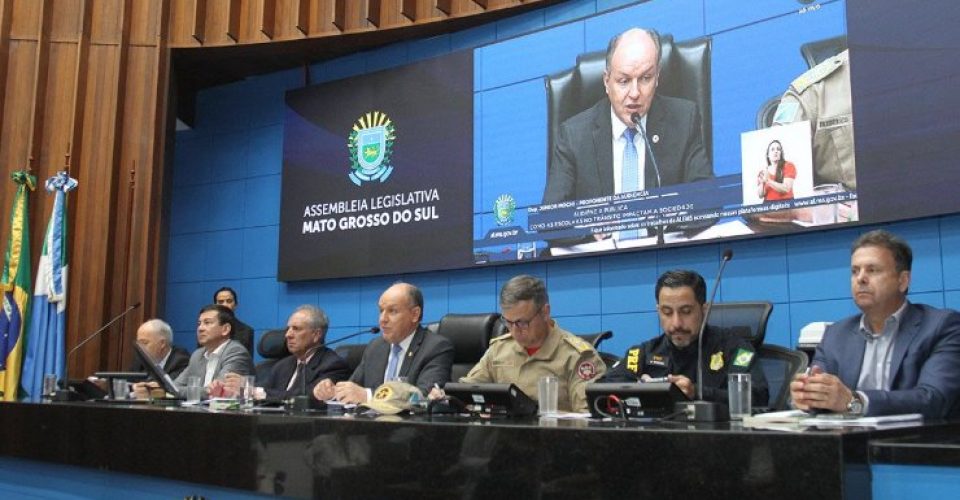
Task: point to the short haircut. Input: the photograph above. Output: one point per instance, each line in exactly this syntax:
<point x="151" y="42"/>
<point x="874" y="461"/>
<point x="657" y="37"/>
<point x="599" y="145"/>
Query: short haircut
<point x="318" y="318"/>
<point x="612" y="46"/>
<point x="224" y="315"/>
<point x="521" y="288"/>
<point x="236" y="300"/>
<point x="902" y="255"/>
<point x="679" y="278"/>
<point x="161" y="328"/>
<point x="414" y="295"/>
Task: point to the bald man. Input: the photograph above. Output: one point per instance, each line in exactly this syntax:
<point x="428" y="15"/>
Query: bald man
<point x="599" y="151"/>
<point x="405" y="350"/>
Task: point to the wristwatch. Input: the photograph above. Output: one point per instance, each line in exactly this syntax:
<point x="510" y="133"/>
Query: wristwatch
<point x="855" y="406"/>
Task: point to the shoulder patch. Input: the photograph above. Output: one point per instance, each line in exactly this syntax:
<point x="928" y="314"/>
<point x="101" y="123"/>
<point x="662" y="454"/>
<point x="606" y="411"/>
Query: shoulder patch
<point x="787" y="112"/>
<point x="742" y="358"/>
<point x="816" y="73"/>
<point x="586" y="370"/>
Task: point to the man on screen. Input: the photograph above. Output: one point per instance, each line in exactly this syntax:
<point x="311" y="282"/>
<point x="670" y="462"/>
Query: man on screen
<point x="896" y="357"/>
<point x="600" y="151"/>
<point x="405" y="351"/>
<point x="681" y="298"/>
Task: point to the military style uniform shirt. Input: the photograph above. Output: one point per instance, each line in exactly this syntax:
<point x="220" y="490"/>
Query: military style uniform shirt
<point x="569" y="358"/>
<point x="723" y="353"/>
<point x="822" y="96"/>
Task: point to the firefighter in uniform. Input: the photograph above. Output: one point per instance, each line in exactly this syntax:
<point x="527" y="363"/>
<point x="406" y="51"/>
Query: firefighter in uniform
<point x="535" y="347"/>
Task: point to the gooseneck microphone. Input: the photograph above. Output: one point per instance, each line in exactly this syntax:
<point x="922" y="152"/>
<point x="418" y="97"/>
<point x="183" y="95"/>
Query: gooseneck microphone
<point x="65" y="394"/>
<point x="373" y="330"/>
<point x="727" y="255"/>
<point x="638" y="121"/>
<point x="700" y="410"/>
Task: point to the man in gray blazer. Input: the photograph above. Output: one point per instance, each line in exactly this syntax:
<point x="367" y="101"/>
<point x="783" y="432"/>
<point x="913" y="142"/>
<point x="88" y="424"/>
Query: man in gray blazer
<point x="896" y="357"/>
<point x="217" y="355"/>
<point x="404" y="351"/>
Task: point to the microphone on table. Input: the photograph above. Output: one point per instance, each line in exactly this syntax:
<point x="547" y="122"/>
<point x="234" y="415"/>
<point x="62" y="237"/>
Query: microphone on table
<point x="638" y="121"/>
<point x="700" y="410"/>
<point x="66" y="394"/>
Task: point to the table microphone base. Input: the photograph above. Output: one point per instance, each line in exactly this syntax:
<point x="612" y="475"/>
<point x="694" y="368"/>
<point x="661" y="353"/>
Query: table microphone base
<point x="307" y="403"/>
<point x="701" y="411"/>
<point x="62" y="395"/>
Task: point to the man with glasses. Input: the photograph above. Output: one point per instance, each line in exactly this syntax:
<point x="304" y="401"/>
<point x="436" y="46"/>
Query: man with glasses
<point x="405" y="351"/>
<point x="535" y="347"/>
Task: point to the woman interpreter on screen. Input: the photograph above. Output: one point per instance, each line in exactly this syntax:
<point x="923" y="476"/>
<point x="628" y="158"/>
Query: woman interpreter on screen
<point x="775" y="182"/>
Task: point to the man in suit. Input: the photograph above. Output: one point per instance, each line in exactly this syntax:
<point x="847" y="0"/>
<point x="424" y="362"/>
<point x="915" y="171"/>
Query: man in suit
<point x="594" y="146"/>
<point x="156" y="338"/>
<point x="308" y="363"/>
<point x="242" y="332"/>
<point x="895" y="357"/>
<point x="404" y="351"/>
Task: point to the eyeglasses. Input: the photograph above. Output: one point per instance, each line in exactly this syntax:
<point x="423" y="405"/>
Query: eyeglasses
<point x="521" y="324"/>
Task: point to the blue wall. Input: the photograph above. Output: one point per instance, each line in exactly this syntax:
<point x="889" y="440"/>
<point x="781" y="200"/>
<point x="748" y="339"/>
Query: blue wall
<point x="226" y="201"/>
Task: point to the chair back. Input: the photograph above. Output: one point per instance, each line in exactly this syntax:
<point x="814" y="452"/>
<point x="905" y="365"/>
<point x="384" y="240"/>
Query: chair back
<point x="272" y="348"/>
<point x="595" y="339"/>
<point x="351" y="353"/>
<point x="684" y="73"/>
<point x="470" y="335"/>
<point x="746" y="319"/>
<point x="779" y="366"/>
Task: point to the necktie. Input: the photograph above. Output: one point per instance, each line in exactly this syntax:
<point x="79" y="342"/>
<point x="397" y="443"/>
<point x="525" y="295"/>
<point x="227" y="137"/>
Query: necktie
<point x="299" y="377"/>
<point x="393" y="363"/>
<point x="629" y="175"/>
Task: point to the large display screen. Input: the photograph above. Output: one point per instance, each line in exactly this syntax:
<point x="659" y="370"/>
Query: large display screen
<point x="657" y="124"/>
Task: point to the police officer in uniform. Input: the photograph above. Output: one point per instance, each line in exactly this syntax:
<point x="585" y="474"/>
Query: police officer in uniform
<point x="681" y="297"/>
<point x="822" y="96"/>
<point x="535" y="347"/>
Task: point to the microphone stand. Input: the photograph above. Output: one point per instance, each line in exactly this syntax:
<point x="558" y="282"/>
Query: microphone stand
<point x="700" y="410"/>
<point x="638" y="121"/>
<point x="65" y="394"/>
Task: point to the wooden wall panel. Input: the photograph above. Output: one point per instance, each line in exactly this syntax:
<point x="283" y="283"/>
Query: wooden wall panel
<point x="26" y="19"/>
<point x="95" y="205"/>
<point x="144" y="14"/>
<point x="105" y="25"/>
<point x="181" y="23"/>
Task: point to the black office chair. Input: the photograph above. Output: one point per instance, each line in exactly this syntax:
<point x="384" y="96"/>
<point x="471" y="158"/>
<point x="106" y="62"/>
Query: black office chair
<point x="470" y="335"/>
<point x="779" y="366"/>
<point x="684" y="73"/>
<point x="747" y="319"/>
<point x="595" y="339"/>
<point x="272" y="348"/>
<point x="351" y="353"/>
